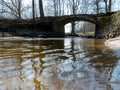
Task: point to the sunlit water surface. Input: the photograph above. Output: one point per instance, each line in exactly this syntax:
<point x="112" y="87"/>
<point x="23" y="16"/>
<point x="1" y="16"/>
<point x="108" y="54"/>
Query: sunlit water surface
<point x="58" y="64"/>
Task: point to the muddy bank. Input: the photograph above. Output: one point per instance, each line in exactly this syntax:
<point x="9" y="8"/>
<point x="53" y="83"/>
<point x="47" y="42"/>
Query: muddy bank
<point x="32" y="34"/>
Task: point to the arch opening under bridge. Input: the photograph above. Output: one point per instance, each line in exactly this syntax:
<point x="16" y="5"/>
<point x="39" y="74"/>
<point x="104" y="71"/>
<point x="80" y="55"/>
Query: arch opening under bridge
<point x="81" y="28"/>
<point x="63" y="20"/>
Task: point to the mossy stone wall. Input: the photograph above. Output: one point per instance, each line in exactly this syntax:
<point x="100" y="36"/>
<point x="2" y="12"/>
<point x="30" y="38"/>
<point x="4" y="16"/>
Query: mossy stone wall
<point x="109" y="26"/>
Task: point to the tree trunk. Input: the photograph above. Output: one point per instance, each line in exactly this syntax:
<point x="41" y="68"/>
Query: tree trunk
<point x="59" y="4"/>
<point x="41" y="9"/>
<point x="106" y="7"/>
<point x="33" y="16"/>
<point x="19" y="9"/>
<point x="55" y="10"/>
<point x="110" y="4"/>
<point x="33" y="9"/>
<point x="73" y="23"/>
<point x="97" y="5"/>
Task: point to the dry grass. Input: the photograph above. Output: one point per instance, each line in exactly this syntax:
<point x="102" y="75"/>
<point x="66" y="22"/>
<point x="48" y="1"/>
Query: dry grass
<point x="86" y="34"/>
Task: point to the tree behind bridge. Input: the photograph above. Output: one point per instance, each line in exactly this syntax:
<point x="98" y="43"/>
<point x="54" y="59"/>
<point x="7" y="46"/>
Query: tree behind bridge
<point x="14" y="8"/>
<point x="41" y="9"/>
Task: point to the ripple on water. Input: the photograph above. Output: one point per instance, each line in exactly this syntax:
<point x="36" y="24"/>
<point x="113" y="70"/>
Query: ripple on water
<point x="57" y="64"/>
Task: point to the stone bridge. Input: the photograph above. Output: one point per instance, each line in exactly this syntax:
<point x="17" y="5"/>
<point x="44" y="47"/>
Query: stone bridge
<point x="60" y="21"/>
<point x="54" y="24"/>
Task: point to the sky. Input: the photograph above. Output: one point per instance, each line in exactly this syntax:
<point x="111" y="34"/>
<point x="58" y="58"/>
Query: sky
<point x="27" y="1"/>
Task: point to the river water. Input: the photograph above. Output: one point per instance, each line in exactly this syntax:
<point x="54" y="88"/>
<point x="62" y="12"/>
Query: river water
<point x="58" y="64"/>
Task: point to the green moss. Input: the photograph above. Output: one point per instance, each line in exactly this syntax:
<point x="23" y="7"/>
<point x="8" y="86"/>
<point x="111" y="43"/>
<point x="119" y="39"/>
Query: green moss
<point x="103" y="21"/>
<point x="117" y="13"/>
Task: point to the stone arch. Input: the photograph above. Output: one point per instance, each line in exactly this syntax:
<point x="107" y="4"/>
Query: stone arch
<point x="61" y="21"/>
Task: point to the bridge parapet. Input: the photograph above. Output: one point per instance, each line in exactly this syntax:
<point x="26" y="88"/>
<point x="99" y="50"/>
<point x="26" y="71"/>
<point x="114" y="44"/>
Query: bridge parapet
<point x="78" y="17"/>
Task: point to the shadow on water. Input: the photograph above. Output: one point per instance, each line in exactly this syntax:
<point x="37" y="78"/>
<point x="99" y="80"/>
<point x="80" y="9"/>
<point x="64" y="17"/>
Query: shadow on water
<point x="58" y="64"/>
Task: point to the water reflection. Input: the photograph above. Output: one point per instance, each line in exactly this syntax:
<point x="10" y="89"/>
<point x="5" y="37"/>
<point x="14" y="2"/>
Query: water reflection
<point x="115" y="79"/>
<point x="57" y="64"/>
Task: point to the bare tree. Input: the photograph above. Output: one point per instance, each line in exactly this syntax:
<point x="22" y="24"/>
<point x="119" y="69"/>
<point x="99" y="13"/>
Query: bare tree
<point x="55" y="7"/>
<point x="14" y="8"/>
<point x="106" y="7"/>
<point x="33" y="9"/>
<point x="75" y="4"/>
<point x="97" y="5"/>
<point x="2" y="9"/>
<point x="19" y="9"/>
<point x="110" y="6"/>
<point x="73" y="12"/>
<point x="41" y="9"/>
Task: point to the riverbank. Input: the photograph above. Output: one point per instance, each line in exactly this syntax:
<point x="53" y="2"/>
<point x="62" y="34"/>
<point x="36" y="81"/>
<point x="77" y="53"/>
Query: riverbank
<point x="26" y="33"/>
<point x="114" y="44"/>
<point x="17" y="38"/>
<point x="2" y="39"/>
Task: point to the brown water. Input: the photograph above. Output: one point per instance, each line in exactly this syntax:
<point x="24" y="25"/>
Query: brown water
<point x="58" y="64"/>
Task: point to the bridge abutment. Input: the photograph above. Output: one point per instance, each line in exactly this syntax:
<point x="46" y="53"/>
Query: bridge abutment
<point x="59" y="28"/>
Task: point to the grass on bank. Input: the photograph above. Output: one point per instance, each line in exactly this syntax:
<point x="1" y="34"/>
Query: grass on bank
<point x="87" y="34"/>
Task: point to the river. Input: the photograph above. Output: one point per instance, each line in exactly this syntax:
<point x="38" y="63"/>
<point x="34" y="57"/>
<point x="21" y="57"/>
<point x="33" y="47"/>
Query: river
<point x="58" y="64"/>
